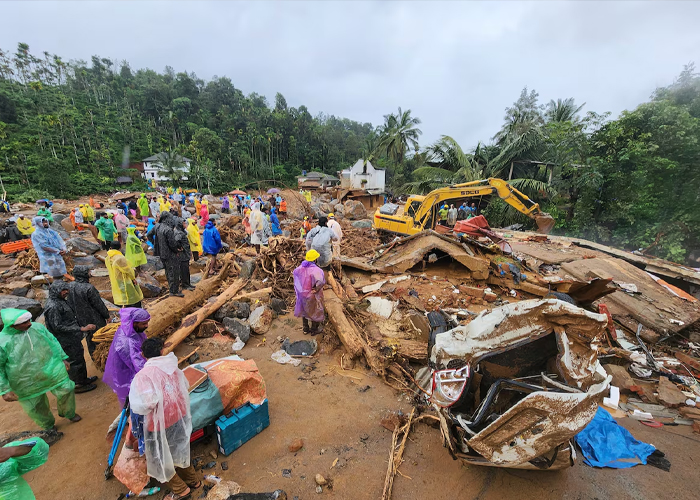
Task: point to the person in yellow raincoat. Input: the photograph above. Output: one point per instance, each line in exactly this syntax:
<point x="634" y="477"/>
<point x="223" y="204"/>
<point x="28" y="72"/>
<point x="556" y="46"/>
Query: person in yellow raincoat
<point x="25" y="225"/>
<point x="194" y="238"/>
<point x="161" y="202"/>
<point x="90" y="214"/>
<point x="134" y="251"/>
<point x="125" y="290"/>
<point x="167" y="205"/>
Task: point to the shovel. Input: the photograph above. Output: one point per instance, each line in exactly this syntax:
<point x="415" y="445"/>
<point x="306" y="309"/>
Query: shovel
<point x="123" y="419"/>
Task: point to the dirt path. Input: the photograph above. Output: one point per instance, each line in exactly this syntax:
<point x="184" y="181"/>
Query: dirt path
<point x="337" y="421"/>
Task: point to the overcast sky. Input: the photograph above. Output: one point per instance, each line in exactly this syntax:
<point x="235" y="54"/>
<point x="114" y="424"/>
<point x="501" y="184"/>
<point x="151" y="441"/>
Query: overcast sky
<point x="456" y="65"/>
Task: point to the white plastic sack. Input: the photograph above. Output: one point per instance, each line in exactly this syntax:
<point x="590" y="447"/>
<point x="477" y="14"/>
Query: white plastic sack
<point x="283" y="358"/>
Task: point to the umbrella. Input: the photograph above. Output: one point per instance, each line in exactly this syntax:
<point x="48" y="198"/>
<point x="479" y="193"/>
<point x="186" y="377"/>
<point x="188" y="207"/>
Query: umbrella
<point x="273" y="191"/>
<point x="238" y="191"/>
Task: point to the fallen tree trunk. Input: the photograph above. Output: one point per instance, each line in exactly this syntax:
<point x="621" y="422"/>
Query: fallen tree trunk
<point x="346" y="331"/>
<point x="414" y="350"/>
<point x="193" y="320"/>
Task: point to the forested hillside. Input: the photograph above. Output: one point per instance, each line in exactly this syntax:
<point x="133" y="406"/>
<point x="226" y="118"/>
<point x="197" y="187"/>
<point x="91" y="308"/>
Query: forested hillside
<point x="632" y="181"/>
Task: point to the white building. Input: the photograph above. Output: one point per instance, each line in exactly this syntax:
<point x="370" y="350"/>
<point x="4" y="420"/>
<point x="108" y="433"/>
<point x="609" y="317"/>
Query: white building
<point x="363" y="175"/>
<point x="153" y="168"/>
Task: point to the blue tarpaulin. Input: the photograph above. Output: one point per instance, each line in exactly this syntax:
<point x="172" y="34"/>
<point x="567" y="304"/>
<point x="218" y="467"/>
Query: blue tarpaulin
<point x="605" y="443"/>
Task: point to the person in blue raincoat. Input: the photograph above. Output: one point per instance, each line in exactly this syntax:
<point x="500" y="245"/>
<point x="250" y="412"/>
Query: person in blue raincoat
<point x="211" y="244"/>
<point x="151" y="223"/>
<point x="50" y="248"/>
<point x="275" y="222"/>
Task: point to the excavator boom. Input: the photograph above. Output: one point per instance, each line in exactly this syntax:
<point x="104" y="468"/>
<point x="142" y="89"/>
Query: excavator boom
<point x="421" y="212"/>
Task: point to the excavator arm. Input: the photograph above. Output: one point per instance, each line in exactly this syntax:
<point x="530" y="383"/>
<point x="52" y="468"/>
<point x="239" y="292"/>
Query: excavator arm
<point x="427" y="211"/>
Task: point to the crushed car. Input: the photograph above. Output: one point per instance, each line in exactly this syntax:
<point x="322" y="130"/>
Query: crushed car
<point x="514" y="386"/>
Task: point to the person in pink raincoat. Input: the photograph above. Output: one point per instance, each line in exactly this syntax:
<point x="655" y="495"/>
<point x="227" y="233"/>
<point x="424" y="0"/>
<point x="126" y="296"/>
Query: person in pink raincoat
<point x="204" y="214"/>
<point x="308" y="287"/>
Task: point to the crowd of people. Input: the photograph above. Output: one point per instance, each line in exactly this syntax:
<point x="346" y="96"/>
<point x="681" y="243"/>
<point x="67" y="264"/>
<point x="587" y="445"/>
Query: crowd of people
<point x="36" y="359"/>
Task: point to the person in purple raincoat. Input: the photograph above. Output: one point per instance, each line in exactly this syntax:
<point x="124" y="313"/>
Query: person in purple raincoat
<point x="308" y="287"/>
<point x="125" y="359"/>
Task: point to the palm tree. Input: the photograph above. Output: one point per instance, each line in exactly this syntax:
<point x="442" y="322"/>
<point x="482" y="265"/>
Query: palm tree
<point x="520" y="118"/>
<point x="562" y="110"/>
<point x="173" y="165"/>
<point x="399" y="134"/>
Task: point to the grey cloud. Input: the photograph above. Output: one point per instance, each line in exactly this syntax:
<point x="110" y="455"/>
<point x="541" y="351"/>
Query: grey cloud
<point x="457" y="65"/>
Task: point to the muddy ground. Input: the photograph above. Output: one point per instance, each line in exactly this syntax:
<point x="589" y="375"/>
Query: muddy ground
<point x="337" y="420"/>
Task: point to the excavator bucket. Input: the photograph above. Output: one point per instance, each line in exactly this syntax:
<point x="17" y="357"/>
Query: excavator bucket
<point x="545" y="222"/>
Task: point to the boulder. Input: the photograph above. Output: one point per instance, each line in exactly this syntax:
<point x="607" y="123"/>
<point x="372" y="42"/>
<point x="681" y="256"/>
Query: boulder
<point x="362" y="224"/>
<point x="232" y="310"/>
<point x="238" y="328"/>
<point x="324" y="198"/>
<point x="278" y="305"/>
<point x="326" y="208"/>
<point x="89" y="261"/>
<point x="152" y="264"/>
<point x="82" y="245"/>
<point x="149" y="285"/>
<point x="14" y="285"/>
<point x="20" y="292"/>
<point x="196" y="278"/>
<point x="247" y="268"/>
<point x="260" y="320"/>
<point x="214" y="216"/>
<point x="224" y="490"/>
<point x="355" y="210"/>
<point x="40" y="280"/>
<point x="59" y="217"/>
<point x="15" y="302"/>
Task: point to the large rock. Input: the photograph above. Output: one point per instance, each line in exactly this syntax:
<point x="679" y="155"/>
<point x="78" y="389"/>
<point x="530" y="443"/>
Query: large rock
<point x="149" y="285"/>
<point x="196" y="278"/>
<point x="225" y="490"/>
<point x="14" y="302"/>
<point x="237" y="328"/>
<point x="152" y="264"/>
<point x="324" y="198"/>
<point x="260" y="320"/>
<point x="326" y="208"/>
<point x="89" y="261"/>
<point x="247" y="268"/>
<point x="21" y="292"/>
<point x="232" y="310"/>
<point x="355" y="210"/>
<point x="82" y="245"/>
<point x="59" y="217"/>
<point x="362" y="224"/>
<point x="278" y="305"/>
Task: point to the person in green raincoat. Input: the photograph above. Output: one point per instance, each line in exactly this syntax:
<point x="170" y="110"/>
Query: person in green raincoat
<point x="143" y="207"/>
<point x="134" y="254"/>
<point x="18" y="458"/>
<point x="46" y="213"/>
<point x="33" y="363"/>
<point x="106" y="227"/>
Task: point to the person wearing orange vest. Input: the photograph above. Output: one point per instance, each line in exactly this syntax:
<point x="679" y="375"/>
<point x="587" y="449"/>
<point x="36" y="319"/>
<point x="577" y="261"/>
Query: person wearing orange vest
<point x="283" y="206"/>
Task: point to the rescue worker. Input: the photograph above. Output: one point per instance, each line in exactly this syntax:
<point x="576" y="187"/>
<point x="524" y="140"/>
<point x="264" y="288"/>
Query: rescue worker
<point x="125" y="359"/>
<point x="62" y="322"/>
<point x="13" y="234"/>
<point x="45" y="212"/>
<point x="275" y="222"/>
<point x="334" y="225"/>
<point x="184" y="252"/>
<point x="134" y="253"/>
<point x="50" y="248"/>
<point x="33" y="363"/>
<point x="106" y="227"/>
<point x="18" y="458"/>
<point x="89" y="308"/>
<point x="319" y="239"/>
<point x="309" y="280"/>
<point x="160" y="404"/>
<point x="25" y="226"/>
<point x="194" y="238"/>
<point x="125" y="291"/>
<point x="143" y="207"/>
<point x="443" y="215"/>
<point x="166" y="248"/>
<point x="211" y="244"/>
<point x="225" y="205"/>
<point x="283" y="206"/>
<point x="452" y="216"/>
<point x="257" y="227"/>
<point x="155" y="208"/>
<point x="204" y="213"/>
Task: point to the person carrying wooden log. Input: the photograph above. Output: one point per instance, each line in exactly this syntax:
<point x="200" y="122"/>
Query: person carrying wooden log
<point x="309" y="280"/>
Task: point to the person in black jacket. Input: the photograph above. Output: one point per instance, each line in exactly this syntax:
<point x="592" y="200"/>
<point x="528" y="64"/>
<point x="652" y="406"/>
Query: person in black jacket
<point x="87" y="304"/>
<point x="185" y="253"/>
<point x="63" y="324"/>
<point x="167" y="249"/>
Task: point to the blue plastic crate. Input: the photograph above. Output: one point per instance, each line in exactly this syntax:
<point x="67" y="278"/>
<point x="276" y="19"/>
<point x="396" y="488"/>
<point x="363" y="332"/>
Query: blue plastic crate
<point x="241" y="425"/>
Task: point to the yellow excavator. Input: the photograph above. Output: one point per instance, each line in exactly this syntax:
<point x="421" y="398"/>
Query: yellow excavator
<point x="420" y="213"/>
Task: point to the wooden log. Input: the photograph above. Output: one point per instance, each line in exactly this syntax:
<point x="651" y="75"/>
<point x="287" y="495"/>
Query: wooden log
<point x="413" y="349"/>
<point x="171" y="309"/>
<point x="348" y="335"/>
<point x="193" y="320"/>
<point x="337" y="289"/>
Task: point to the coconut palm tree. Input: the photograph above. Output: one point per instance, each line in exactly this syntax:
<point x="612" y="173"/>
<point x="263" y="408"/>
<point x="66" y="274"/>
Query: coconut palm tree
<point x="399" y="134"/>
<point x="562" y="110"/>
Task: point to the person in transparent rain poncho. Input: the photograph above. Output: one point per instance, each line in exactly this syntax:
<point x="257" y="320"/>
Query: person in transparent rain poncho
<point x="160" y="405"/>
<point x="50" y="248"/>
